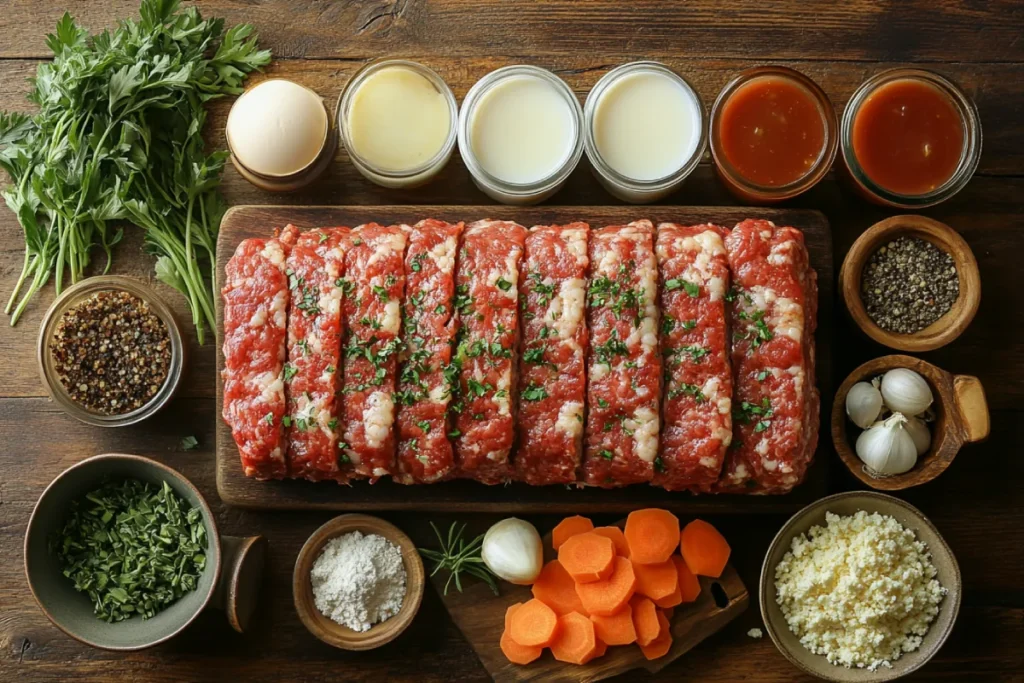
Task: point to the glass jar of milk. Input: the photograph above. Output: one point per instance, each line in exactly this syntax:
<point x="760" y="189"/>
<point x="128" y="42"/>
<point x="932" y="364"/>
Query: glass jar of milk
<point x="645" y="131"/>
<point x="398" y="122"/>
<point x="520" y="134"/>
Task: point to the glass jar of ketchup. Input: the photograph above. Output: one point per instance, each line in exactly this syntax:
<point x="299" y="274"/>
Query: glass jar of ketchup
<point x="910" y="138"/>
<point x="773" y="134"/>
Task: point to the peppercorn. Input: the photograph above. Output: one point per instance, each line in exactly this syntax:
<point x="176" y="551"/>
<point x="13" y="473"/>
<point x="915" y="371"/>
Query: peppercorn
<point x="908" y="284"/>
<point x="112" y="353"/>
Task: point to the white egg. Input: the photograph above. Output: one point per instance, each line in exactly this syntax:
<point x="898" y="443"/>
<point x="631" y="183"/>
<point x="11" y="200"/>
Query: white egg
<point x="277" y="128"/>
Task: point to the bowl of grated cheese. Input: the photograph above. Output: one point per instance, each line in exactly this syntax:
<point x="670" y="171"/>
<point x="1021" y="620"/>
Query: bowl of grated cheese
<point x="859" y="587"/>
<point x="358" y="582"/>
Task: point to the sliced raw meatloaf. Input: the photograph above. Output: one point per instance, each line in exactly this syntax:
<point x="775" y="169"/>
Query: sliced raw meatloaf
<point x="697" y="406"/>
<point x="255" y="332"/>
<point x="773" y="318"/>
<point x="424" y="451"/>
<point x="374" y="285"/>
<point x="623" y="362"/>
<point x="487" y="303"/>
<point x="552" y="364"/>
<point x="314" y="269"/>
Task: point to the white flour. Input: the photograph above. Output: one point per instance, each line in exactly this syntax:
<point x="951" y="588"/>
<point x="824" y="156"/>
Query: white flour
<point x="359" y="580"/>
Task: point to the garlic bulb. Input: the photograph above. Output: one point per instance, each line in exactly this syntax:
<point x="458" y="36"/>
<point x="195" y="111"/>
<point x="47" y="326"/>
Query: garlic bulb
<point x="863" y="404"/>
<point x="905" y="391"/>
<point x="512" y="549"/>
<point x="886" y="447"/>
<point x="920" y="433"/>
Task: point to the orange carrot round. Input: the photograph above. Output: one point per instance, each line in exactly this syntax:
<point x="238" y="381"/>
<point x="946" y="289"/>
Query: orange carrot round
<point x="533" y="624"/>
<point x="569" y="527"/>
<point x="618" y="538"/>
<point x="689" y="584"/>
<point x="588" y="557"/>
<point x="576" y="642"/>
<point x="556" y="589"/>
<point x="660" y="646"/>
<point x="607" y="596"/>
<point x="617" y="629"/>
<point x="516" y="653"/>
<point x="656" y="581"/>
<point x="645" y="620"/>
<point x="671" y="600"/>
<point x="652" y="535"/>
<point x="705" y="550"/>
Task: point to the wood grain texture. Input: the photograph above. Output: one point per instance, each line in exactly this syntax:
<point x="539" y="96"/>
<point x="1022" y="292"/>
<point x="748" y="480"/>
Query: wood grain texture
<point x="259" y="221"/>
<point x="976" y="504"/>
<point x="480" y="615"/>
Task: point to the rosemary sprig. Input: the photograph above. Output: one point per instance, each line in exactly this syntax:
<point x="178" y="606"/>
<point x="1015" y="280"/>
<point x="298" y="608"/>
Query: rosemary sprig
<point x="457" y="557"/>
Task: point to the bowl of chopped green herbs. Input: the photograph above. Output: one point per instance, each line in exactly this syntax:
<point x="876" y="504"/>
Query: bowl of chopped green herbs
<point x="122" y="552"/>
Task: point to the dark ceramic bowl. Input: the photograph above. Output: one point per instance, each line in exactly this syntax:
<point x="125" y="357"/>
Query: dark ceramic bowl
<point x="233" y="565"/>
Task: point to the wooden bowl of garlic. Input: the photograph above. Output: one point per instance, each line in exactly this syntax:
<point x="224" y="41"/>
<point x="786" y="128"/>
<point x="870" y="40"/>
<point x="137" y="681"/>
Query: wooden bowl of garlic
<point x="898" y="421"/>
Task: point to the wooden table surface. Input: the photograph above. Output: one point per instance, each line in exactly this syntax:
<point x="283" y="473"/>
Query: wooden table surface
<point x="977" y="504"/>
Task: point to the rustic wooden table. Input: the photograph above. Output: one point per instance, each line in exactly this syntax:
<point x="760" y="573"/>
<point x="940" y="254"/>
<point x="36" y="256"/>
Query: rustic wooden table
<point x="977" y="504"/>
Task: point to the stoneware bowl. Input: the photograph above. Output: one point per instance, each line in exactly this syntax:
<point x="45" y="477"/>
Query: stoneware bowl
<point x="333" y="633"/>
<point x="230" y="581"/>
<point x="949" y="326"/>
<point x="961" y="416"/>
<point x="847" y="504"/>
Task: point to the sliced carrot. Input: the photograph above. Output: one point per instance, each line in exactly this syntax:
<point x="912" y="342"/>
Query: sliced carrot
<point x="705" y="550"/>
<point x="607" y="596"/>
<point x="689" y="584"/>
<point x="556" y="589"/>
<point x="509" y="612"/>
<point x="618" y="538"/>
<point x="617" y="629"/>
<point x="656" y="581"/>
<point x="652" y="534"/>
<point x="670" y="601"/>
<point x="660" y="646"/>
<point x="533" y="624"/>
<point x="600" y="651"/>
<point x="645" y="620"/>
<point x="576" y="642"/>
<point x="516" y="653"/>
<point x="588" y="557"/>
<point x="669" y="612"/>
<point x="569" y="527"/>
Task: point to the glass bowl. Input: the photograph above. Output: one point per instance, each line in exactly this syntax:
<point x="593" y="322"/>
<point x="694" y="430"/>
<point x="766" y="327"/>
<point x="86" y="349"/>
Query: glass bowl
<point x="47" y="365"/>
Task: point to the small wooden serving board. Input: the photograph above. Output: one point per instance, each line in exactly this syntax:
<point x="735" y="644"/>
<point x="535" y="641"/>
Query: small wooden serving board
<point x="235" y="488"/>
<point x="480" y="615"/>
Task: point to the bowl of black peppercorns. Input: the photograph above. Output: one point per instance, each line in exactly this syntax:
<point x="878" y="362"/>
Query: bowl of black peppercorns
<point x="911" y="283"/>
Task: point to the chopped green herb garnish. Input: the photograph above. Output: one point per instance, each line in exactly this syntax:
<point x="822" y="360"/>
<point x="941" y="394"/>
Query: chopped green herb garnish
<point x="534" y="393"/>
<point x="190" y="443"/>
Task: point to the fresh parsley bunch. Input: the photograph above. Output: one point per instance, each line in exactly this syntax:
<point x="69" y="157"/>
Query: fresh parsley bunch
<point x="118" y="136"/>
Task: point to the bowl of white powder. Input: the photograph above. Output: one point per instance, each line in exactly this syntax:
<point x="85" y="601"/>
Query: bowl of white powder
<point x="859" y="587"/>
<point x="358" y="582"/>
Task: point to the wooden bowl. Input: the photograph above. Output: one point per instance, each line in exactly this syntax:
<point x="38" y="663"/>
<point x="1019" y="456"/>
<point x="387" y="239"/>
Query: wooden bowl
<point x="961" y="417"/>
<point x="953" y="322"/>
<point x="847" y="504"/>
<point x="333" y="633"/>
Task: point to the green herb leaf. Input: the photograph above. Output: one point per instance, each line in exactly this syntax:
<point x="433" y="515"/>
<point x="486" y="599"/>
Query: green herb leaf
<point x="190" y="443"/>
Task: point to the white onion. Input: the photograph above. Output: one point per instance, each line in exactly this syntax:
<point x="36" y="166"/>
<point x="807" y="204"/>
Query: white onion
<point x="512" y="549"/>
<point x="905" y="391"/>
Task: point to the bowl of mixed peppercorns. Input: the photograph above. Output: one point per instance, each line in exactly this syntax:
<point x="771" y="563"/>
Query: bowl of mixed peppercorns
<point x="110" y="351"/>
<point x="911" y="283"/>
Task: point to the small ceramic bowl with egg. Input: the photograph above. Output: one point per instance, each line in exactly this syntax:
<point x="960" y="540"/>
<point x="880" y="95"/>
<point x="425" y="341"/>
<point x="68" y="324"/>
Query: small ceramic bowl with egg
<point x="280" y="135"/>
<point x="334" y="633"/>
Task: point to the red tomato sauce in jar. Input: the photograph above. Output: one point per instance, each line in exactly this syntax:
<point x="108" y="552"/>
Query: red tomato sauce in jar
<point x="908" y="137"/>
<point x="771" y="131"/>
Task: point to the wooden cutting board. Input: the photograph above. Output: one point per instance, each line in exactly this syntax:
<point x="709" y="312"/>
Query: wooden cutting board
<point x="480" y="615"/>
<point x="260" y="221"/>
